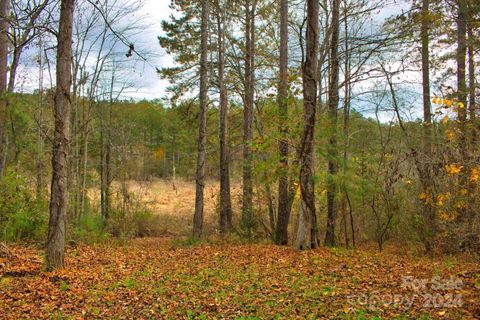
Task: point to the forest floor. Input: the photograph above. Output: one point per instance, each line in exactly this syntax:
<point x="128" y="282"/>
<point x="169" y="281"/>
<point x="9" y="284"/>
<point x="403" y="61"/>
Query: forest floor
<point x="158" y="278"/>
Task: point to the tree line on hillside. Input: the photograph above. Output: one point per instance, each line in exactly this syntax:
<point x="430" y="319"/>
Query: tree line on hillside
<point x="343" y="127"/>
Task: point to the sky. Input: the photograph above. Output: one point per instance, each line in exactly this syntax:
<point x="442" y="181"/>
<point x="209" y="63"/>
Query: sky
<point x="149" y="85"/>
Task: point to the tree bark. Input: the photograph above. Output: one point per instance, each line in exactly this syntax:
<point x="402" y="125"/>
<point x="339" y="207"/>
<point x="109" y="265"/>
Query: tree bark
<point x="462" y="96"/>
<point x="108" y="164"/>
<point x="472" y="83"/>
<point x="39" y="164"/>
<point x="461" y="64"/>
<point x="474" y="127"/>
<point x="281" y="236"/>
<point x="426" y="176"/>
<point x="4" y="25"/>
<point x="13" y="69"/>
<point x="225" y="198"/>
<point x="83" y="186"/>
<point x="346" y="128"/>
<point x="332" y="115"/>
<point x="102" y="163"/>
<point x="202" y="125"/>
<point x="105" y="137"/>
<point x="247" y="222"/>
<point x="307" y="234"/>
<point x="59" y="194"/>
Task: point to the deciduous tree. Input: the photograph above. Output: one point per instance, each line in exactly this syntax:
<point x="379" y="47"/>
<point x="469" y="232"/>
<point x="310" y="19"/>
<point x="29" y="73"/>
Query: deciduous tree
<point x="307" y="233"/>
<point x="59" y="194"/>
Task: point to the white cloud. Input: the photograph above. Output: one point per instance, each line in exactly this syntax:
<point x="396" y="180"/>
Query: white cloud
<point x="148" y="83"/>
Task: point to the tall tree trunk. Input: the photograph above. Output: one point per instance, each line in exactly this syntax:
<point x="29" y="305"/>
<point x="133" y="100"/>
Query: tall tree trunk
<point x="102" y="162"/>
<point x="225" y="198"/>
<point x="74" y="168"/>
<point x="472" y="212"/>
<point x="108" y="162"/>
<point x="307" y="233"/>
<point x="4" y="24"/>
<point x="426" y="174"/>
<point x="462" y="95"/>
<point x="247" y="208"/>
<point x="324" y="54"/>
<point x="39" y="164"/>
<point x="461" y="63"/>
<point x="281" y="236"/>
<point x="83" y="186"/>
<point x="105" y="175"/>
<point x="59" y="195"/>
<point x="332" y="115"/>
<point x="471" y="82"/>
<point x="202" y="124"/>
<point x="346" y="126"/>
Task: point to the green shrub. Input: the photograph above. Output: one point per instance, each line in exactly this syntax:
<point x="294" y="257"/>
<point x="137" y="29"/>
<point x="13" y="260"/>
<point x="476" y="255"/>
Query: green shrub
<point x="22" y="215"/>
<point x="89" y="228"/>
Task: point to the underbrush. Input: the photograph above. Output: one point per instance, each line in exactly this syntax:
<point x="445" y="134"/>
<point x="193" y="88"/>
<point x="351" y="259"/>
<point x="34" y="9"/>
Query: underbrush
<point x="89" y="228"/>
<point x="93" y="228"/>
<point x="141" y="223"/>
<point x="23" y="215"/>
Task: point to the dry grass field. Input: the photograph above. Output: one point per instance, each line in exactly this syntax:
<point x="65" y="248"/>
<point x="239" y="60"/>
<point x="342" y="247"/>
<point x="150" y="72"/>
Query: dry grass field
<point x="173" y="202"/>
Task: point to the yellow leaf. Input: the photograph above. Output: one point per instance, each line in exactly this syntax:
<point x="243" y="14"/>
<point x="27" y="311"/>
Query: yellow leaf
<point x="440" y="199"/>
<point x="453" y="169"/>
<point x="450" y="134"/>
<point x="475" y="175"/>
<point x="447" y="215"/>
